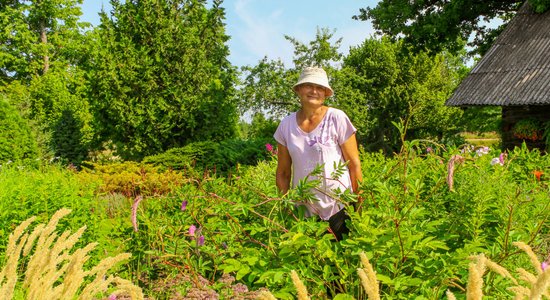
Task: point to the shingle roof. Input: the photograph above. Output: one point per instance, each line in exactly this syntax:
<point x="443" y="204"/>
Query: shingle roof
<point x="515" y="70"/>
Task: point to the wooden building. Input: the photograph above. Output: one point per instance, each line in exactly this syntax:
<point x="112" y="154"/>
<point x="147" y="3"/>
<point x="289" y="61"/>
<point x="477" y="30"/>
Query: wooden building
<point x="513" y="74"/>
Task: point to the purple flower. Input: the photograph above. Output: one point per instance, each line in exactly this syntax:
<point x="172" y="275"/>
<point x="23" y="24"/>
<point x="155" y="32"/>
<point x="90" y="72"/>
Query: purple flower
<point x="192" y="229"/>
<point x="200" y="242"/>
<point x="183" y="205"/>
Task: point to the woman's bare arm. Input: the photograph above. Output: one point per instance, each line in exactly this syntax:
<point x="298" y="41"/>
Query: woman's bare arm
<point x="284" y="169"/>
<point x="351" y="155"/>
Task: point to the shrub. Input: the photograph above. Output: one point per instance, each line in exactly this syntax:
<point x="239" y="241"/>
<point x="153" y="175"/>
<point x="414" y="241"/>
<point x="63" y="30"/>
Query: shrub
<point x="221" y="157"/>
<point x="131" y="179"/>
<point x="16" y="140"/>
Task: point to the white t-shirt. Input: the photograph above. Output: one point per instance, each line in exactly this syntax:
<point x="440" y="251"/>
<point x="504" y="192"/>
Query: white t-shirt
<point x="318" y="147"/>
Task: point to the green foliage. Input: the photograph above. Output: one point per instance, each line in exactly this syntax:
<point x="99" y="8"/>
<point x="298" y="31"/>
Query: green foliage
<point x="59" y="106"/>
<point x="262" y="128"/>
<point x="16" y="139"/>
<point x="416" y="232"/>
<point x="440" y="25"/>
<point x="540" y="6"/>
<point x="42" y="46"/>
<point x="222" y="156"/>
<point x="481" y="119"/>
<point x="382" y="82"/>
<point x="319" y="52"/>
<point x="42" y="191"/>
<point x="38" y="35"/>
<point x="160" y="77"/>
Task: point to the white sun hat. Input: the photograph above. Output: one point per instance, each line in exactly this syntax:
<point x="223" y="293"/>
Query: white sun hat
<point x="314" y="75"/>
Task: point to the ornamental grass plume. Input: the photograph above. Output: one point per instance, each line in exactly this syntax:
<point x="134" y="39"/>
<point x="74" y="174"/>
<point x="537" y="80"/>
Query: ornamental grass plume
<point x="266" y="295"/>
<point x="450" y="295"/>
<point x="300" y="287"/>
<point x="474" y="290"/>
<point x="536" y="285"/>
<point x="368" y="278"/>
<point x="539" y="282"/>
<point x="455" y="159"/>
<point x="55" y="270"/>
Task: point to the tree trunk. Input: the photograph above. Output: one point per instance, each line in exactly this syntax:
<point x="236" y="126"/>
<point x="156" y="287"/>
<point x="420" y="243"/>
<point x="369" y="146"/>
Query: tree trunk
<point x="44" y="41"/>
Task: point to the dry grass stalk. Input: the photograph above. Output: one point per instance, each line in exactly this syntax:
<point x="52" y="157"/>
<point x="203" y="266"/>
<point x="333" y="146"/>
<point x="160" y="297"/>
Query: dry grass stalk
<point x="475" y="283"/>
<point x="265" y="295"/>
<point x="526" y="276"/>
<point x="520" y="292"/>
<point x="493" y="266"/>
<point x="300" y="287"/>
<point x="53" y="272"/>
<point x="368" y="278"/>
<point x="8" y="275"/>
<point x="534" y="259"/>
<point x="450" y="295"/>
<point x="541" y="286"/>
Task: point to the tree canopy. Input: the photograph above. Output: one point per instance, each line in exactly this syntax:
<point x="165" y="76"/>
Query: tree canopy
<point x="382" y="82"/>
<point x="36" y="34"/>
<point x="160" y="77"/>
<point x="444" y="25"/>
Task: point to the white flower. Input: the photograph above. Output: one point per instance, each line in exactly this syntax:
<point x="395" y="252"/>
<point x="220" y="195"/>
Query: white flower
<point x="496" y="161"/>
<point x="482" y="151"/>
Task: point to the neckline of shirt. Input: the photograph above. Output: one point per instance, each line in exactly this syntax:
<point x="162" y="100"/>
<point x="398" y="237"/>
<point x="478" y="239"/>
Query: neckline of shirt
<point x="316" y="127"/>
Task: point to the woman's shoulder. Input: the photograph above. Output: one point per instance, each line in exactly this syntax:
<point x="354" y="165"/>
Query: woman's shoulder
<point x="288" y="118"/>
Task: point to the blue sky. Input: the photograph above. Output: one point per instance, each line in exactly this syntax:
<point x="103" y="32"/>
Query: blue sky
<point x="257" y="27"/>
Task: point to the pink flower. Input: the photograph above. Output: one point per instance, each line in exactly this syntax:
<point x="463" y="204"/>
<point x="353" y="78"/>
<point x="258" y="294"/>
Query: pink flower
<point x="112" y="297"/>
<point x="192" y="230"/>
<point x="269" y="147"/>
<point x="137" y="200"/>
<point x="501" y="158"/>
<point x="544" y="265"/>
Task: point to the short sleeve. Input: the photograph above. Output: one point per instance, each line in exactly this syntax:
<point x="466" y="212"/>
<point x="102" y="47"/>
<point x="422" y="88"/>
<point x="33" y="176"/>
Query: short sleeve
<point x="344" y="127"/>
<point x="279" y="135"/>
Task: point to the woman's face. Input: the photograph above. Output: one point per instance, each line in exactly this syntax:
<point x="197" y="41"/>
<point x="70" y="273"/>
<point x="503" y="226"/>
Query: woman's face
<point x="310" y="93"/>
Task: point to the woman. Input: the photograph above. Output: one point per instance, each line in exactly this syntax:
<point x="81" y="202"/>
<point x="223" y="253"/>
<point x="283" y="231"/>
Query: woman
<point x="318" y="135"/>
